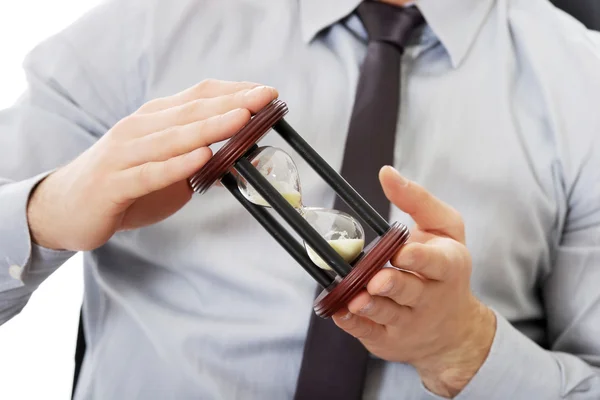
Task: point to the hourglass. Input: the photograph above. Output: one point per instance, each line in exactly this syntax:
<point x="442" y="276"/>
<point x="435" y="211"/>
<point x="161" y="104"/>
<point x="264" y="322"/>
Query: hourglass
<point x="333" y="252"/>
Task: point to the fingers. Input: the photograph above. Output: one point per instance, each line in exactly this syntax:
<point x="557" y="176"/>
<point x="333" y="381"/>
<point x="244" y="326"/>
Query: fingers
<point x="381" y="310"/>
<point x="150" y="177"/>
<point x="361" y="328"/>
<point x="401" y="287"/>
<point x="430" y="213"/>
<point x="167" y="141"/>
<point x="197" y="110"/>
<point x="206" y="89"/>
<point x="431" y="260"/>
<point x="179" y="140"/>
<point x="388" y="301"/>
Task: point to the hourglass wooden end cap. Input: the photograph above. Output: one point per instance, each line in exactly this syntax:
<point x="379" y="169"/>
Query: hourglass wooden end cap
<point x="237" y="146"/>
<point x="380" y="252"/>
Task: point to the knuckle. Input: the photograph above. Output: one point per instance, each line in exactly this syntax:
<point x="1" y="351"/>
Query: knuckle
<point x="363" y="332"/>
<point x="447" y="256"/>
<point x="455" y="260"/>
<point x="167" y="168"/>
<point x="188" y="110"/>
<point x="151" y="106"/>
<point x="396" y="283"/>
<point x="108" y="149"/>
<point x="205" y="85"/>
<point x="145" y="177"/>
<point x="169" y="142"/>
<point x="382" y="284"/>
<point x="419" y="253"/>
<point x="219" y="123"/>
<point x="205" y="124"/>
<point x="441" y="270"/>
<point x="127" y="125"/>
<point x="238" y="97"/>
<point x="111" y="152"/>
<point x="145" y="107"/>
<point x="393" y="318"/>
<point x="389" y="284"/>
<point x="247" y="85"/>
<point x="400" y="281"/>
<point x="354" y="323"/>
<point x="349" y="324"/>
<point x="172" y="133"/>
<point x="414" y="298"/>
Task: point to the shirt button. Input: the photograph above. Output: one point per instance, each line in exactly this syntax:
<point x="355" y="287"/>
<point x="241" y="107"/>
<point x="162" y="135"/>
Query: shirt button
<point x="15" y="271"/>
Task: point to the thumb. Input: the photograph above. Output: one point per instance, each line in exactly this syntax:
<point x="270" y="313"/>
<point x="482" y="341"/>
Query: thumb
<point x="430" y="213"/>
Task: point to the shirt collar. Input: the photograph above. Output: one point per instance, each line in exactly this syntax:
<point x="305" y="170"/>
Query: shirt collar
<point x="455" y="23"/>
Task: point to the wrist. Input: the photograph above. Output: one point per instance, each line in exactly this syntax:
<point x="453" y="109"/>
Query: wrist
<point x="448" y="373"/>
<point x="41" y="214"/>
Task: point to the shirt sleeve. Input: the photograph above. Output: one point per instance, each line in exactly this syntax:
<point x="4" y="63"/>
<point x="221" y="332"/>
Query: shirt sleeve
<point x="517" y="368"/>
<point x="80" y="83"/>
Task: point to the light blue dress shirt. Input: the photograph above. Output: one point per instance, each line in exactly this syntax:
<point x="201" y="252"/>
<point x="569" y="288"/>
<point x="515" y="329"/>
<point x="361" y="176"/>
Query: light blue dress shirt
<point x="499" y="118"/>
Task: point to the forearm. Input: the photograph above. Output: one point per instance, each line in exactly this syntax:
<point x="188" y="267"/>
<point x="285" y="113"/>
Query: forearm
<point x="517" y="368"/>
<point x="23" y="265"/>
<point x="449" y="373"/>
<point x="43" y="213"/>
<point x="74" y="96"/>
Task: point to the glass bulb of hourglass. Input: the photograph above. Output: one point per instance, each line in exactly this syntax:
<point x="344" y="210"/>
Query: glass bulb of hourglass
<point x="281" y="172"/>
<point x="340" y="230"/>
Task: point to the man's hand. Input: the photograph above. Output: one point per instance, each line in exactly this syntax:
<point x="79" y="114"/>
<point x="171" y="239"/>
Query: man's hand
<point x="426" y="314"/>
<point x="136" y="174"/>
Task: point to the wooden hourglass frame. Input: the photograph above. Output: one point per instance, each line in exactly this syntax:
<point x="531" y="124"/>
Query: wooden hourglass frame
<point x="351" y="277"/>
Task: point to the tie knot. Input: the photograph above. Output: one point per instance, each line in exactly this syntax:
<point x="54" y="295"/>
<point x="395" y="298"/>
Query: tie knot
<point x="387" y="23"/>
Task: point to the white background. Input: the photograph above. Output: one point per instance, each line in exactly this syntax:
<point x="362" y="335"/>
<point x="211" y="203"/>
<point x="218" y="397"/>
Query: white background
<point x="37" y="347"/>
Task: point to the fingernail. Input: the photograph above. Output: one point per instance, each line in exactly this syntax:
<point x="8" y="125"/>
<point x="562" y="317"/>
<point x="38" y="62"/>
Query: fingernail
<point x="347" y="316"/>
<point x="386" y="288"/>
<point x="366" y="308"/>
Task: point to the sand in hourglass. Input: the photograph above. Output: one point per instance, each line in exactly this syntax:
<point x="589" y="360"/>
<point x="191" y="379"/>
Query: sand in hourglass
<point x="293" y="196"/>
<point x="349" y="249"/>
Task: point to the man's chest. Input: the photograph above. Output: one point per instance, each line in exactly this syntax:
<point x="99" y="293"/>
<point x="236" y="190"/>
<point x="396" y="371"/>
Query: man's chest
<point x="460" y="134"/>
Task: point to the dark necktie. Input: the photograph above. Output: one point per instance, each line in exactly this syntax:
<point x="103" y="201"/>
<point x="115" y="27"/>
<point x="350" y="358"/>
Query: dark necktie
<point x="334" y="363"/>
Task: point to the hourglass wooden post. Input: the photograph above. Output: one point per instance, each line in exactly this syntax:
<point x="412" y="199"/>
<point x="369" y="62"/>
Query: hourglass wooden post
<point x="350" y="278"/>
